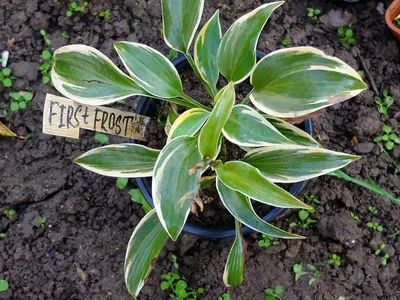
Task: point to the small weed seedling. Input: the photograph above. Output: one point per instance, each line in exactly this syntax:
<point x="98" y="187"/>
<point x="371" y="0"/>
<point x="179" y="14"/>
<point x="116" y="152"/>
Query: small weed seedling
<point x="389" y="138"/>
<point x="335" y="259"/>
<point x="20" y="100"/>
<point x="384" y="103"/>
<point x="135" y="22"/>
<point x="47" y="41"/>
<point x="137" y="196"/>
<point x="384" y="256"/>
<point x="172" y="54"/>
<point x="101" y="138"/>
<point x="355" y="217"/>
<point x="346" y="36"/>
<point x="375" y="226"/>
<point x="74" y="7"/>
<point x="121" y="182"/>
<point x="274" y="293"/>
<point x="372" y="209"/>
<point x="65" y="35"/>
<point x="286" y="42"/>
<point x="3" y="285"/>
<point x="6" y="78"/>
<point x="267" y="241"/>
<point x="224" y="297"/>
<point x="180" y="289"/>
<point x="106" y="14"/>
<point x="47" y="59"/>
<point x="313" y="14"/>
<point x="10" y="214"/>
<point x="298" y="272"/>
<point x="41" y="221"/>
<point x="174" y="260"/>
<point x="3" y="235"/>
<point x="304" y="214"/>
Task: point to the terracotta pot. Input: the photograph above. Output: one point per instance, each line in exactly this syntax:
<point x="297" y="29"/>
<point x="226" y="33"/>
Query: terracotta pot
<point x="392" y="11"/>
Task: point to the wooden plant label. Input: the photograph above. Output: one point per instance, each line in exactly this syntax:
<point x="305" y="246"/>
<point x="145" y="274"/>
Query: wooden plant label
<point x="64" y="117"/>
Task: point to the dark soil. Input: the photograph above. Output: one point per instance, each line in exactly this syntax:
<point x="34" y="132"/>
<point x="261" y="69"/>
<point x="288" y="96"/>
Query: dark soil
<point x="80" y="252"/>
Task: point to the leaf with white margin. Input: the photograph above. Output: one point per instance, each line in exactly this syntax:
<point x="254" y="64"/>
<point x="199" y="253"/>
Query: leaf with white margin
<point x="209" y="139"/>
<point x="120" y="160"/>
<point x="173" y="189"/>
<point x="150" y="69"/>
<point x="292" y="132"/>
<point x="248" y="180"/>
<point x="286" y="164"/>
<point x="206" y="49"/>
<point x="248" y="128"/>
<point x="87" y="76"/>
<point x="188" y="123"/>
<point x="234" y="267"/>
<point x="180" y="21"/>
<point x="144" y="247"/>
<point x="240" y="207"/>
<point x="237" y="53"/>
<point x="297" y="81"/>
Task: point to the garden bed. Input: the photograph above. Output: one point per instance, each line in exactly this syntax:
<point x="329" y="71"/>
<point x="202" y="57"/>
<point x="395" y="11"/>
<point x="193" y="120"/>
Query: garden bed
<point x="79" y="254"/>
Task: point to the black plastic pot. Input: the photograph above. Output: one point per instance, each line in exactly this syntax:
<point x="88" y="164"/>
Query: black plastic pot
<point x="148" y="107"/>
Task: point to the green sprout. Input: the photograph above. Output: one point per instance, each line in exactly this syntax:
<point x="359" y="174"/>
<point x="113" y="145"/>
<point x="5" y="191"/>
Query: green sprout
<point x="3" y="235"/>
<point x="137" y="196"/>
<point x="3" y="285"/>
<point x="346" y="35"/>
<point x="305" y="214"/>
<point x="47" y="59"/>
<point x="41" y="221"/>
<point x="313" y="271"/>
<point x="384" y="103"/>
<point x="65" y="35"/>
<point x="106" y="14"/>
<point x="388" y="139"/>
<point x="10" y="213"/>
<point x="173" y="54"/>
<point x="375" y="226"/>
<point x="101" y="138"/>
<point x="74" y="7"/>
<point x="6" y="78"/>
<point x="174" y="260"/>
<point x="313" y="14"/>
<point x="355" y="217"/>
<point x="179" y="287"/>
<point x="267" y="241"/>
<point x="121" y="182"/>
<point x="384" y="256"/>
<point x="224" y="297"/>
<point x="372" y="209"/>
<point x="135" y="22"/>
<point x="274" y="293"/>
<point x="20" y="100"/>
<point x="334" y="259"/>
<point x="43" y="33"/>
<point x="286" y="42"/>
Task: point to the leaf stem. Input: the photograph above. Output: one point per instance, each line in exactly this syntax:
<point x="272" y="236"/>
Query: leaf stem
<point x="211" y="90"/>
<point x="246" y="100"/>
<point x="194" y="102"/>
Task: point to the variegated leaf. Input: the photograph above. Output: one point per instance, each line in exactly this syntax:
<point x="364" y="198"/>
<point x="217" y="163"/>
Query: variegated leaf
<point x="240" y="207"/>
<point x="237" y="52"/>
<point x="248" y="180"/>
<point x="144" y="246"/>
<point x="234" y="267"/>
<point x="297" y="81"/>
<point x="87" y="76"/>
<point x="188" y="123"/>
<point x="180" y="21"/>
<point x="296" y="163"/>
<point x="211" y="132"/>
<point x="248" y="128"/>
<point x="174" y="189"/>
<point x="150" y="69"/>
<point x="121" y="160"/>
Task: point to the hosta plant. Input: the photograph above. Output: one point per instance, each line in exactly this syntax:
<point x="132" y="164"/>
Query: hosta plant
<point x="289" y="83"/>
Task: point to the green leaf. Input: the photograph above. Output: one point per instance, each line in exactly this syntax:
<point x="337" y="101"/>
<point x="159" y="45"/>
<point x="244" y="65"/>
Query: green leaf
<point x="7" y="82"/>
<point x="292" y="132"/>
<point x="137" y="196"/>
<point x="15" y="95"/>
<point x="3" y="285"/>
<point x="292" y="163"/>
<point x="234" y="268"/>
<point x="164" y="285"/>
<point x="188" y="123"/>
<point x="27" y="96"/>
<point x="247" y="128"/>
<point x="143" y="248"/>
<point x="150" y="69"/>
<point x="85" y="75"/>
<point x="173" y="188"/>
<point x="387" y="128"/>
<point x="211" y="131"/>
<point x="206" y="49"/>
<point x="45" y="79"/>
<point x="101" y="138"/>
<point x="122" y="182"/>
<point x="237" y="52"/>
<point x="22" y="104"/>
<point x="180" y="21"/>
<point x="6" y="71"/>
<point x="249" y="181"/>
<point x="46" y="54"/>
<point x="122" y="160"/>
<point x="14" y="106"/>
<point x="303" y="214"/>
<point x="240" y="207"/>
<point x="298" y="81"/>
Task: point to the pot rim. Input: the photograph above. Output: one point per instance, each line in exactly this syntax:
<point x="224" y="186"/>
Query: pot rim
<point x="395" y="7"/>
<point x="144" y="184"/>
